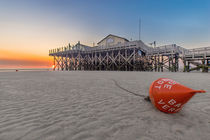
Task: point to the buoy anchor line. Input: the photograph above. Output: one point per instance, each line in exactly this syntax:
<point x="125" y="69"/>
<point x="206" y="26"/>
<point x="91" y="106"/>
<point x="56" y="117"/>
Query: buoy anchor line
<point x="142" y="96"/>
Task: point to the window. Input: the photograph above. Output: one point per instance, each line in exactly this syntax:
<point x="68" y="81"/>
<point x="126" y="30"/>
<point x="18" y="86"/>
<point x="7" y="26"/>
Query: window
<point x="110" y="40"/>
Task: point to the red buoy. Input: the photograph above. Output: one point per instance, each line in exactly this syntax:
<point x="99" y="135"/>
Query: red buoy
<point x="169" y="96"/>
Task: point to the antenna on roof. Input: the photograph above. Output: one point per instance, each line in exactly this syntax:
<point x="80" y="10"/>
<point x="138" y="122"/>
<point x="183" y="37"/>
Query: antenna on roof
<point x="139" y="28"/>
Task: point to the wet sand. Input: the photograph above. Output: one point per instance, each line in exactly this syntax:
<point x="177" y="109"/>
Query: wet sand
<point x="81" y="105"/>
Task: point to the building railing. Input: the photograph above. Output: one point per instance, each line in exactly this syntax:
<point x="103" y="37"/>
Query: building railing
<point x="173" y="48"/>
<point x="202" y="50"/>
<point x="101" y="48"/>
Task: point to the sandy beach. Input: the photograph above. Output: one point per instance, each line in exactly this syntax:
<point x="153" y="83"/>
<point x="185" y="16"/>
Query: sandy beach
<point x="78" y="105"/>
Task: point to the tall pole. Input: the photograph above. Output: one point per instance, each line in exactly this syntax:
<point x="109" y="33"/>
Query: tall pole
<point x="139" y="28"/>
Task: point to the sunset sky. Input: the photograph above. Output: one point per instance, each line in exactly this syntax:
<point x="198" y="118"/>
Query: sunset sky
<point x="29" y="28"/>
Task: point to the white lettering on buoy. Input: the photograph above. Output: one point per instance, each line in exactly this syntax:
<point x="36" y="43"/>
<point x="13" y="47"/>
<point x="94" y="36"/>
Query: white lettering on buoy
<point x="160" y="82"/>
<point x="161" y="102"/>
<point x="159" y="87"/>
<point x="168" y="86"/>
<point x="177" y="110"/>
<point x="169" y="81"/>
<point x="170" y="105"/>
<point x="171" y="109"/>
<point x="165" y="106"/>
<point x="172" y="102"/>
<point x="178" y="105"/>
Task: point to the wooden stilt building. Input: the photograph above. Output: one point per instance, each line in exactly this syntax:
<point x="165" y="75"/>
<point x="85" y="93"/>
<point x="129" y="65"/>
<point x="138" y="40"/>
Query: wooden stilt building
<point x="119" y="54"/>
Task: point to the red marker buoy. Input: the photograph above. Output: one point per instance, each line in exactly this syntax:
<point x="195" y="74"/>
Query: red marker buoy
<point x="169" y="96"/>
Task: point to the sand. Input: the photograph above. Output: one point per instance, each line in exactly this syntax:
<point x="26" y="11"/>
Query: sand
<point x="79" y="105"/>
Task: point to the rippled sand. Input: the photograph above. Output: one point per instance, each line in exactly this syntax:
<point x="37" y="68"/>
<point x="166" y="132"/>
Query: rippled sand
<point x="90" y="106"/>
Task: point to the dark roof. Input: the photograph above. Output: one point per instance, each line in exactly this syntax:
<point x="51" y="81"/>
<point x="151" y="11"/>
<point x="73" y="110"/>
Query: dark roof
<point x="114" y="36"/>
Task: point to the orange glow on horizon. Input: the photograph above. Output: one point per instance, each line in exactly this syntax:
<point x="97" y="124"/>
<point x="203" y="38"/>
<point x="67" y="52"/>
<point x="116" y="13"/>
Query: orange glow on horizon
<point x="9" y="59"/>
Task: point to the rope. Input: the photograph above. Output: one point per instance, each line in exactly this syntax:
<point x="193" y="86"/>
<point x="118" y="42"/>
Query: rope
<point x="142" y="96"/>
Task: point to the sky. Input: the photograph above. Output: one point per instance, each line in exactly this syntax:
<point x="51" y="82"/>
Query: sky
<point x="29" y="28"/>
